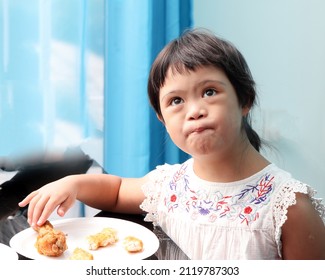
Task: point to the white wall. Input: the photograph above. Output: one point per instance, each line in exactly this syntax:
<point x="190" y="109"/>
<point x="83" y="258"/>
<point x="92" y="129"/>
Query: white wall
<point x="284" y="45"/>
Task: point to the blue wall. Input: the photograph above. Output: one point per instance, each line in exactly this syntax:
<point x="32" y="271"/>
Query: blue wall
<point x="284" y="43"/>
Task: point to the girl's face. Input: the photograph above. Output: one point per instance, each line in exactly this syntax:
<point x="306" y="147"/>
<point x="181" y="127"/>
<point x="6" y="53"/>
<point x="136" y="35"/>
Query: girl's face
<point x="201" y="112"/>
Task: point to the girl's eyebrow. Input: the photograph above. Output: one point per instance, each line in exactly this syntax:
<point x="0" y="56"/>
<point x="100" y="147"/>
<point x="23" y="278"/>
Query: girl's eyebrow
<point x="202" y="83"/>
<point x="172" y="92"/>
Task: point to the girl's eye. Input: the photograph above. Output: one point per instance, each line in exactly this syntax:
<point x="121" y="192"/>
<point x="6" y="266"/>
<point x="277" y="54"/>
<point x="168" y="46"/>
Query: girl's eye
<point x="176" y="101"/>
<point x="209" y="92"/>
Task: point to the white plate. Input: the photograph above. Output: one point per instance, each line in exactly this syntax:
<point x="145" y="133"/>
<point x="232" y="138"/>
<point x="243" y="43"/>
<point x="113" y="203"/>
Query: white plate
<point x="7" y="253"/>
<point x="77" y="229"/>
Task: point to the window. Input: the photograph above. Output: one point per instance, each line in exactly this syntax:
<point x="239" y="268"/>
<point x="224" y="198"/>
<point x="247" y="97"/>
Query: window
<point x="51" y="76"/>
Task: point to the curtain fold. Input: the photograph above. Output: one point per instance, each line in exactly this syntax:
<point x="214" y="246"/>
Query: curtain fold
<point x="134" y="140"/>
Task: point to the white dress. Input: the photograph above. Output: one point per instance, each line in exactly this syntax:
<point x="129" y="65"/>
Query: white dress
<point x="225" y="221"/>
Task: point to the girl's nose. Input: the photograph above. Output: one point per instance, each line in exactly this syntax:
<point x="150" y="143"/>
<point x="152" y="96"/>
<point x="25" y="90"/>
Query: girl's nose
<point x="196" y="111"/>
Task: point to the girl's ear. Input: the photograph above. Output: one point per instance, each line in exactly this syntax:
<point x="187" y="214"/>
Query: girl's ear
<point x="245" y="110"/>
<point x="160" y="118"/>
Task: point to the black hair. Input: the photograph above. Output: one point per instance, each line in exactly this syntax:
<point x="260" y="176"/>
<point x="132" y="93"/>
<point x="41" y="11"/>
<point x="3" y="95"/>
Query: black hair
<point x="197" y="48"/>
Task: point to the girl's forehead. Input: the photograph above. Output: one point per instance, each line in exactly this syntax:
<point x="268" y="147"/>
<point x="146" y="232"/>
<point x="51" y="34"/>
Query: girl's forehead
<point x="174" y="72"/>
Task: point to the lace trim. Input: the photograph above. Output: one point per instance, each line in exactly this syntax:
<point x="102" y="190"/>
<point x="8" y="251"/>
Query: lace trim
<point x="287" y="197"/>
<point x="152" y="191"/>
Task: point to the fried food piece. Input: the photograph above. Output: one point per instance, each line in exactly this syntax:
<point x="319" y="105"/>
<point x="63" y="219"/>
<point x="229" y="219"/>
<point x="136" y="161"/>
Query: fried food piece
<point x="133" y="244"/>
<point x="107" y="236"/>
<point x="50" y="242"/>
<point x="81" y="254"/>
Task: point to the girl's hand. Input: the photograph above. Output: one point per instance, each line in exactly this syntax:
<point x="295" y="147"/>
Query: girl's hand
<point x="60" y="194"/>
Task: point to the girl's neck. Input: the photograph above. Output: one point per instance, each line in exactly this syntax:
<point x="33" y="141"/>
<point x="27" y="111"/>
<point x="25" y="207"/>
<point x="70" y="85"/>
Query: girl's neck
<point x="236" y="166"/>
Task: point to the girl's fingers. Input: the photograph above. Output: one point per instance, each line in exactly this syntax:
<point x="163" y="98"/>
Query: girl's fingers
<point x="36" y="208"/>
<point x="46" y="208"/>
<point x="27" y="199"/>
<point x="45" y="214"/>
<point x="65" y="206"/>
<point x="44" y="201"/>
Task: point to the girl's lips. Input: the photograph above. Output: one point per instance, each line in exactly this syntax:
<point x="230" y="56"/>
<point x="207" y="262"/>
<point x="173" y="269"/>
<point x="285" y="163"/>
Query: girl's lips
<point x="198" y="130"/>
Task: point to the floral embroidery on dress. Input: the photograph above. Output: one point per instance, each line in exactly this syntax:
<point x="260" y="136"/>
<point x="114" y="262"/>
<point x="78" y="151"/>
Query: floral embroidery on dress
<point x="244" y="206"/>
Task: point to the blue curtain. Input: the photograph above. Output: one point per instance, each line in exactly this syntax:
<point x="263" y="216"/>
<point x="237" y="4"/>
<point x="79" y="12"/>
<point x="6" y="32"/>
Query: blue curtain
<point x="134" y="140"/>
<point x="75" y="72"/>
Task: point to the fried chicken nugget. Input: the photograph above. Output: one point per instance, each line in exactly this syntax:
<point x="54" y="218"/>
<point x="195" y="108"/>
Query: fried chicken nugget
<point x="107" y="236"/>
<point x="50" y="242"/>
<point x="81" y="254"/>
<point x="133" y="244"/>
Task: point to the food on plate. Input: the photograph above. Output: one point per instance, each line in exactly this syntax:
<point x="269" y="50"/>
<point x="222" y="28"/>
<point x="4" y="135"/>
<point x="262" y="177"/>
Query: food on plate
<point x="133" y="244"/>
<point x="50" y="242"/>
<point x="81" y="254"/>
<point x="108" y="236"/>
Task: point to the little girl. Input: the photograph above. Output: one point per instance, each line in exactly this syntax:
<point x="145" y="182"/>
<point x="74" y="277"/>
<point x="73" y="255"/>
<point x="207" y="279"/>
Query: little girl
<point x="227" y="201"/>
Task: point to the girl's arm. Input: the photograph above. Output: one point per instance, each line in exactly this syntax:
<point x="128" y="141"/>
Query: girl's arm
<point x="101" y="191"/>
<point x="303" y="234"/>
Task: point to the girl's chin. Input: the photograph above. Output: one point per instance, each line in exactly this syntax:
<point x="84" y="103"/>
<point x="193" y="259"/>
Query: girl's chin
<point x="204" y="147"/>
<point x="201" y="149"/>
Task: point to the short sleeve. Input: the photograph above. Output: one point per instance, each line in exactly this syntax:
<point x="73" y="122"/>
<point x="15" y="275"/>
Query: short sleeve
<point x="287" y="197"/>
<point x="152" y="191"/>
